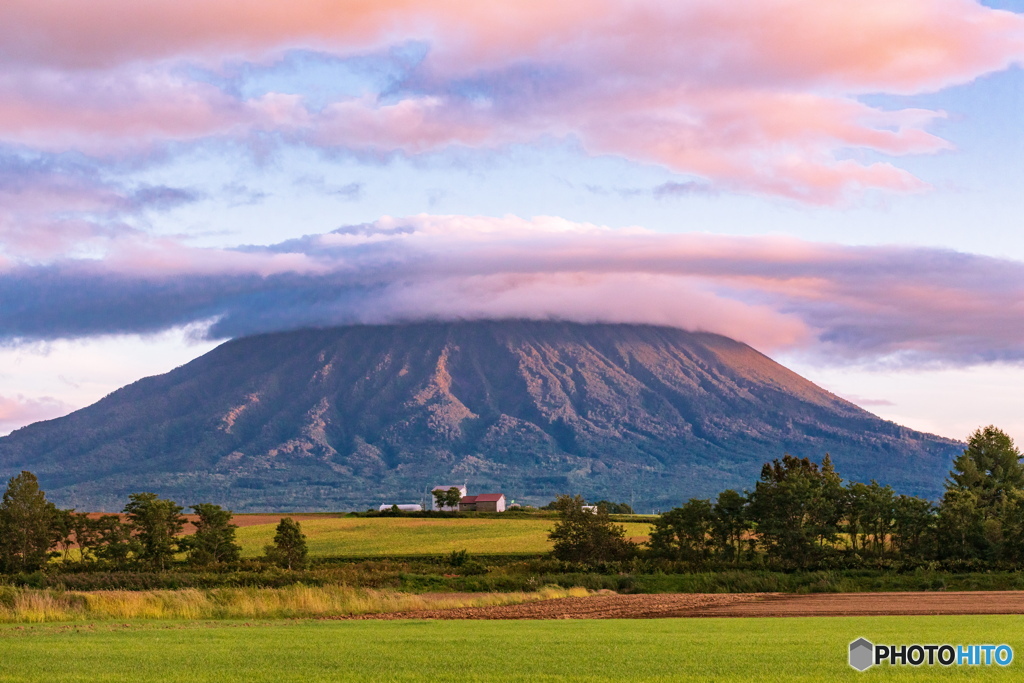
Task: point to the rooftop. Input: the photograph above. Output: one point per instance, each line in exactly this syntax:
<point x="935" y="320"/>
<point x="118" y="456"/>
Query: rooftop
<point x="489" y="497"/>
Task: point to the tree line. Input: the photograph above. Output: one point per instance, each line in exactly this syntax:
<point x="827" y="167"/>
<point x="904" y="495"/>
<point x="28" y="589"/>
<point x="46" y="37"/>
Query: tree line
<point x="802" y="515"/>
<point x="34" y="531"/>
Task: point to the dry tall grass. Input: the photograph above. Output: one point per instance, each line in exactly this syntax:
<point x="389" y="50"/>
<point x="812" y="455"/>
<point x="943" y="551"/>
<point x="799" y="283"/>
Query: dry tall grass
<point x="36" y="606"/>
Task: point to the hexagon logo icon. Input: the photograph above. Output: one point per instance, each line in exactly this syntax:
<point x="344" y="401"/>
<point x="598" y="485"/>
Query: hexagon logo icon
<point x="862" y="654"/>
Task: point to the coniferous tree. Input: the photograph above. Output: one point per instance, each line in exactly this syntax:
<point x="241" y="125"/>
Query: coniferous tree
<point x="980" y="493"/>
<point x="989" y="467"/>
<point x="27" y="525"/>
<point x="214" y="539"/>
<point x="289" y="547"/>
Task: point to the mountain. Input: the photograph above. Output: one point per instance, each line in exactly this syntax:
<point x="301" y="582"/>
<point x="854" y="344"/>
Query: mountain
<point x="349" y="417"/>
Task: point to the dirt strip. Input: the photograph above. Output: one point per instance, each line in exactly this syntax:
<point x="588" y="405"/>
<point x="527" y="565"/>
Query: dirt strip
<point x="612" y="606"/>
<point x="601" y="606"/>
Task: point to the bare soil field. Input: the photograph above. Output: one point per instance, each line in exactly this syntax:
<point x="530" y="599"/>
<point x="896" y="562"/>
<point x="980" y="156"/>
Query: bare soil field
<point x="614" y="606"/>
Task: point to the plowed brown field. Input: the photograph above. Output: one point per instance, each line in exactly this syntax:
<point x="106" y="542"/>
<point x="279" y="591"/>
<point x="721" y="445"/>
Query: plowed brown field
<point x="613" y="606"/>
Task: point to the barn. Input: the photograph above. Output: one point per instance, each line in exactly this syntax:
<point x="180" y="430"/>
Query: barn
<point x="489" y="502"/>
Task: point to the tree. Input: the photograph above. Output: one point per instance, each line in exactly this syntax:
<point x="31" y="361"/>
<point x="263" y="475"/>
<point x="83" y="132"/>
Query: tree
<point x="113" y="540"/>
<point x="912" y="526"/>
<point x="1012" y="547"/>
<point x="615" y="508"/>
<point x="961" y="524"/>
<point x="27" y="525"/>
<point x="826" y="505"/>
<point x="155" y="524"/>
<point x="214" y="539"/>
<point x="583" y="536"/>
<point x="64" y="533"/>
<point x="870" y="514"/>
<point x="730" y="522"/>
<point x="86" y="531"/>
<point x="684" y="533"/>
<point x="989" y="467"/>
<point x="447" y="498"/>
<point x="980" y="492"/>
<point x="797" y="506"/>
<point x="289" y="548"/>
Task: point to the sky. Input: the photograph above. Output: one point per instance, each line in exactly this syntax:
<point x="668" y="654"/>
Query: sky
<point x="835" y="184"/>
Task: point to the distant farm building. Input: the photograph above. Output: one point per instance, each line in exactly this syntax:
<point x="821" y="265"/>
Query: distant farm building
<point x="408" y="507"/>
<point x="449" y="508"/>
<point x="485" y="502"/>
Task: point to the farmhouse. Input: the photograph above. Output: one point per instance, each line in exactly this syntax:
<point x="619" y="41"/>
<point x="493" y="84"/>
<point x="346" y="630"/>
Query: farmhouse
<point x="485" y="502"/>
<point x="449" y="508"/>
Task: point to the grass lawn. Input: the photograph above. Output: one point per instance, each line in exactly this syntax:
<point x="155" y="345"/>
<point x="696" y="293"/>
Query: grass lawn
<point x="807" y="649"/>
<point x="377" y="536"/>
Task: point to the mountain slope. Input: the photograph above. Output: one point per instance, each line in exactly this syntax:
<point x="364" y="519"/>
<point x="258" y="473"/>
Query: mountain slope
<point x="355" y="416"/>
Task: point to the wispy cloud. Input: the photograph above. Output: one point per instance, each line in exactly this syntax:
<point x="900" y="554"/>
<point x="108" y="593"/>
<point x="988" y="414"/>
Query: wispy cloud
<point x="53" y="205"/>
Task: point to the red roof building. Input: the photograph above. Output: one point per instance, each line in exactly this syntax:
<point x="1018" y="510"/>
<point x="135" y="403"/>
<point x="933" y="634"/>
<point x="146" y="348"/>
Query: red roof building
<point x="489" y="502"/>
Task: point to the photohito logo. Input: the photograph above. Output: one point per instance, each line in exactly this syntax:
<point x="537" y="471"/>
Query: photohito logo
<point x="864" y="654"/>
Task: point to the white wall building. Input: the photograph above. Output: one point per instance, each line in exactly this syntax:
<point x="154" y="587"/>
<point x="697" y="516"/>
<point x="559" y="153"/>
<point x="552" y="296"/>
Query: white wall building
<point x="409" y="507"/>
<point x="447" y="508"/>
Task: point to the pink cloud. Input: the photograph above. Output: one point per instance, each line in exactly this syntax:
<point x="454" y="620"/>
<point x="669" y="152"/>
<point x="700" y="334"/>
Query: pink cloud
<point x="757" y="96"/>
<point x="19" y="410"/>
<point x="129" y="110"/>
<point x="870" y="45"/>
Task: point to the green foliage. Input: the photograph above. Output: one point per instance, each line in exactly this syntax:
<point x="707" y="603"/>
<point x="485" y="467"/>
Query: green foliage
<point x="989" y="468"/>
<point x="457" y="558"/>
<point x="28" y="525"/>
<point x="447" y="498"/>
<point x="797" y="507"/>
<point x="113" y="540"/>
<point x="730" y="520"/>
<point x="685" y="533"/>
<point x="63" y="539"/>
<point x="155" y="524"/>
<point x="615" y="508"/>
<point x="289" y="549"/>
<point x="584" y="536"/>
<point x="870" y="515"/>
<point x="913" y="527"/>
<point x="979" y="516"/>
<point x="214" y="539"/>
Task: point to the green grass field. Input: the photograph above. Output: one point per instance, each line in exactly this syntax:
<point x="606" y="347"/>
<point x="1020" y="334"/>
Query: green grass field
<point x="378" y="536"/>
<point x="801" y="649"/>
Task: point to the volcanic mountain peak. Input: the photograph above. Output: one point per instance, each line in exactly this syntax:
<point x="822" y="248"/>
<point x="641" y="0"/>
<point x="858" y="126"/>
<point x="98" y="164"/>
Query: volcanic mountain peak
<point x="353" y="416"/>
